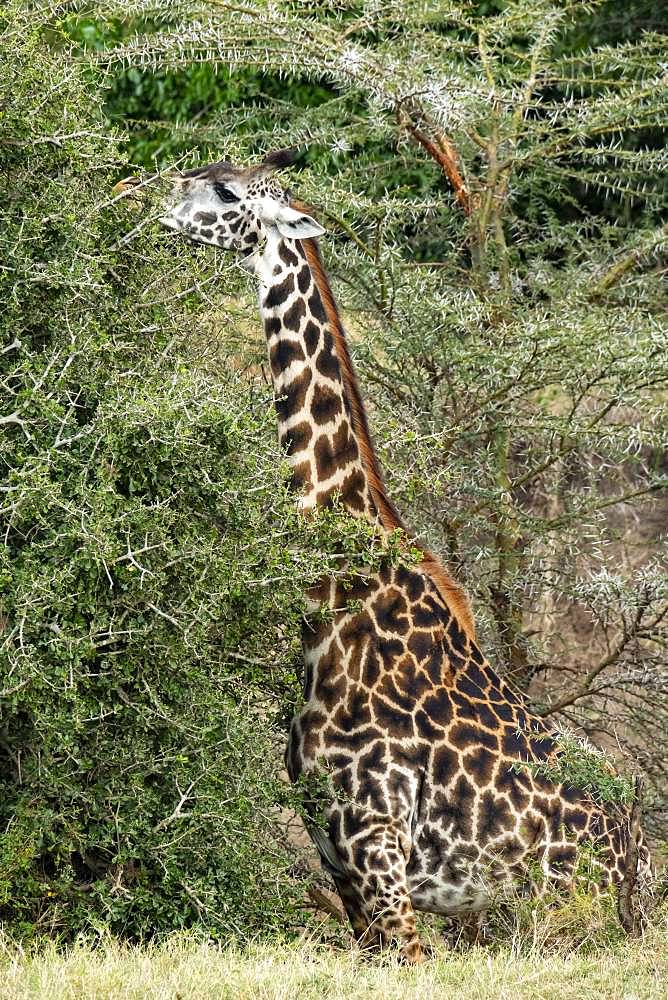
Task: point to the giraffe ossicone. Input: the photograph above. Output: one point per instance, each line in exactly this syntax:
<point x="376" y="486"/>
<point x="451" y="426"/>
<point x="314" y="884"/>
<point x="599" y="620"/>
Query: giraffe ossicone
<point x="424" y="743"/>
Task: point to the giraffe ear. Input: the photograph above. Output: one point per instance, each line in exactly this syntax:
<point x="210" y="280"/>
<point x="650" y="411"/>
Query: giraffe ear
<point x="293" y="225"/>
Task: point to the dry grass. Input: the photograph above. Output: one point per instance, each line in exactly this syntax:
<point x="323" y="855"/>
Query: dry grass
<point x="181" y="969"/>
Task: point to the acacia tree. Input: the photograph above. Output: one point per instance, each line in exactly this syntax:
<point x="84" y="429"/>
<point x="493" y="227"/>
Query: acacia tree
<point x="492" y="183"/>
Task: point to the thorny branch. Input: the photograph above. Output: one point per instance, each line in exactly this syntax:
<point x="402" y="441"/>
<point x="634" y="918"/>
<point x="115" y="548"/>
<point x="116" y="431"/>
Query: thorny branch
<point x="440" y="148"/>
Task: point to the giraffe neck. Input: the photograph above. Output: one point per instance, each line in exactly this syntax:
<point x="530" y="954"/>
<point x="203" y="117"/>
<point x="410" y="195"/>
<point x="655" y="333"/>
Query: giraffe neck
<point x="321" y="419"/>
<point x="321" y="424"/>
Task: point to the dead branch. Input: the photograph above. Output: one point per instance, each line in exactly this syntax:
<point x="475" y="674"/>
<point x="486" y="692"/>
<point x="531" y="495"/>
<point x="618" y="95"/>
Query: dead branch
<point x="442" y="150"/>
<point x="324" y="903"/>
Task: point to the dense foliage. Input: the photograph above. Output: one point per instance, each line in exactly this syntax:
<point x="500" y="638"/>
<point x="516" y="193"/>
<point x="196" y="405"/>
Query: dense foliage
<point x="150" y="560"/>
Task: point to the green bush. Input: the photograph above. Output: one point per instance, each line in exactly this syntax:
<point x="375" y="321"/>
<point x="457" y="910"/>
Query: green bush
<point x="146" y="530"/>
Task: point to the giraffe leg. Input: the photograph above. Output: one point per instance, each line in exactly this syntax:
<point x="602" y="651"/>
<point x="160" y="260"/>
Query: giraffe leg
<point x="353" y="907"/>
<point x="375" y="894"/>
<point x="386" y="918"/>
<point x="393" y="920"/>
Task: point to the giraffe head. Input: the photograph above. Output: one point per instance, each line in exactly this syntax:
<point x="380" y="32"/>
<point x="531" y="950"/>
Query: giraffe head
<point x="236" y="207"/>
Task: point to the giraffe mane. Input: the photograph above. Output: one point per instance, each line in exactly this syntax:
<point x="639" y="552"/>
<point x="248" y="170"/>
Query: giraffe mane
<point x="452" y="592"/>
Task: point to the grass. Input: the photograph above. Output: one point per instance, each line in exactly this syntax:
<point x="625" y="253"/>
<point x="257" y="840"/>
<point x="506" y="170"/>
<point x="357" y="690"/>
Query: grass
<point x="184" y="969"/>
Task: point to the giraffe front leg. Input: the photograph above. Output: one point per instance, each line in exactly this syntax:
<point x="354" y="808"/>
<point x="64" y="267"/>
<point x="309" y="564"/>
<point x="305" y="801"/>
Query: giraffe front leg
<point x="386" y="921"/>
<point x="392" y="919"/>
<point x="354" y="908"/>
<point x="374" y="891"/>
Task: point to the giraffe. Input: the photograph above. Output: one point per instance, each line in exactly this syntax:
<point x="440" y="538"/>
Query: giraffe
<point x="425" y="747"/>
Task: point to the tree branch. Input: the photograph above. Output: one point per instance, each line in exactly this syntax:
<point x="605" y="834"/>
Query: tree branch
<point x="443" y="152"/>
<point x="585" y="688"/>
<point x="627" y="263"/>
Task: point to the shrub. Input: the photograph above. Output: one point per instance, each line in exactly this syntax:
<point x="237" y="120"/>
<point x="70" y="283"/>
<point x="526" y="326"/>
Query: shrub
<point x="146" y="531"/>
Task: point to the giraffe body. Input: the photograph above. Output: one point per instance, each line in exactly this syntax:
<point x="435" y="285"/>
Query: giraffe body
<point x="422" y="742"/>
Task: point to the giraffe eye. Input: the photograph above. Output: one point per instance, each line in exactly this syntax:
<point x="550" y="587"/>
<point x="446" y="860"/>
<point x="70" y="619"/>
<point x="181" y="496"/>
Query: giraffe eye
<point x="224" y="193"/>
